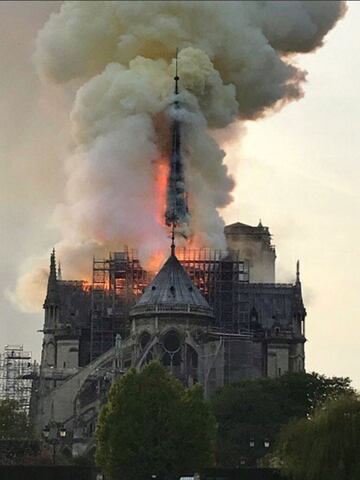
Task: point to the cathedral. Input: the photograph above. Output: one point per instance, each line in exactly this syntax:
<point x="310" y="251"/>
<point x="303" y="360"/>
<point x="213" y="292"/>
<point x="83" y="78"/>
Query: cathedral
<point x="210" y="317"/>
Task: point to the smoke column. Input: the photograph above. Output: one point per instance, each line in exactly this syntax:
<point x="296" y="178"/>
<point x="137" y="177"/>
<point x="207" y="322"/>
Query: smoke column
<point x="235" y="63"/>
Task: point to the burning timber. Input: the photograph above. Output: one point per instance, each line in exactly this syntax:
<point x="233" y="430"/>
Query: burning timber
<point x="209" y="316"/>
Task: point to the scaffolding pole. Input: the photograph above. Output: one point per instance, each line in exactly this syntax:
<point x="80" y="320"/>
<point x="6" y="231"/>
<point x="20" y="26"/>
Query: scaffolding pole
<point x="16" y="375"/>
<point x="119" y="280"/>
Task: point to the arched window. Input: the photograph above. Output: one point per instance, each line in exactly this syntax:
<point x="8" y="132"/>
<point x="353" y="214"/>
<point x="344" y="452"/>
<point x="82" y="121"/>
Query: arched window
<point x="166" y="359"/>
<point x="176" y="359"/>
<point x="171" y="341"/>
<point x="171" y="359"/>
<point x="50" y="354"/>
<point x="172" y="349"/>
<point x="191" y="357"/>
<point x="144" y="340"/>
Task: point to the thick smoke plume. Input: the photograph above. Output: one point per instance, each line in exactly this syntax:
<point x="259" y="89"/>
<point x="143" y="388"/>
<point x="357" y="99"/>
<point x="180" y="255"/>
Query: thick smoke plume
<point x="235" y="62"/>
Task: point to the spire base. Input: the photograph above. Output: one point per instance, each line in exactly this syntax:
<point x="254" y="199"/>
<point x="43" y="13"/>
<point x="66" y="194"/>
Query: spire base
<point x="173" y="240"/>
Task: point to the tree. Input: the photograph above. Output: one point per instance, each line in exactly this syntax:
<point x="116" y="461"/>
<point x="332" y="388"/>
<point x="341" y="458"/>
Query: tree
<point x="255" y="410"/>
<point x="17" y="434"/>
<point x="14" y="423"/>
<point x="152" y="425"/>
<point x="325" y="445"/>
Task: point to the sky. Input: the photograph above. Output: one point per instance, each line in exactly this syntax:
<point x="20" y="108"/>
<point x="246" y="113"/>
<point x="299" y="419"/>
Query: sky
<point x="297" y="170"/>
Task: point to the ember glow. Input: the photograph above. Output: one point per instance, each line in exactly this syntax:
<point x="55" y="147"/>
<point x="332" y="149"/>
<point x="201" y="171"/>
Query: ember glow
<point x="86" y="285"/>
<point x="161" y="178"/>
<point x="154" y="263"/>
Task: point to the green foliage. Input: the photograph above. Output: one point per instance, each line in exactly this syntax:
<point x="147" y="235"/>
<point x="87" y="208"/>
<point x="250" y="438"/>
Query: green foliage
<point x="257" y="409"/>
<point x="325" y="445"/>
<point x="152" y="425"/>
<point x="14" y="424"/>
<point x="17" y="435"/>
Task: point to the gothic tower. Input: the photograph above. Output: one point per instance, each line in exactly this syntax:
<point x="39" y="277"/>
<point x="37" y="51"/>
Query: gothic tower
<point x="52" y="309"/>
<point x="60" y="349"/>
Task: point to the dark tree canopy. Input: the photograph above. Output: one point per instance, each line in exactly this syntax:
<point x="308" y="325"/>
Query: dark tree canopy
<point x="324" y="446"/>
<point x="257" y="409"/>
<point x="153" y="425"/>
<point x="14" y="423"/>
<point x="17" y="435"/>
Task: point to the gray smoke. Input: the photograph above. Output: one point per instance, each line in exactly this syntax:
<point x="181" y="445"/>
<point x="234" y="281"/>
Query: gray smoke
<point x="235" y="62"/>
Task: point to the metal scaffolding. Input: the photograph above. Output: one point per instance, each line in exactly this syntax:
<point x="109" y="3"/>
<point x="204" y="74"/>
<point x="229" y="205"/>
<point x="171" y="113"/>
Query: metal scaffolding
<point x="16" y="374"/>
<point x="117" y="282"/>
<point x="120" y="279"/>
<point x="218" y="275"/>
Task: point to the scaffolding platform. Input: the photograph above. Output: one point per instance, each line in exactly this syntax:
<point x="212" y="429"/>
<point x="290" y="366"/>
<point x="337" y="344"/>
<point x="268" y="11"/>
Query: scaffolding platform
<point x="118" y="281"/>
<point x="16" y="375"/>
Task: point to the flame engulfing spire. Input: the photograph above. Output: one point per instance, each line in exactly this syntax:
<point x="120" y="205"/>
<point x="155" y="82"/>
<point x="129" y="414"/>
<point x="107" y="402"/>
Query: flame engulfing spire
<point x="177" y="212"/>
<point x="237" y="60"/>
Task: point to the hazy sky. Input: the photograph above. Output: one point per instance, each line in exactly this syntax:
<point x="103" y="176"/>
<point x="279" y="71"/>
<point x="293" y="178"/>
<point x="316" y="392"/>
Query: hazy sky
<point x="297" y="170"/>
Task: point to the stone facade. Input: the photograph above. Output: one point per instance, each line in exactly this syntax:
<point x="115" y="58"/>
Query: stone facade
<point x="254" y="244"/>
<point x="174" y="323"/>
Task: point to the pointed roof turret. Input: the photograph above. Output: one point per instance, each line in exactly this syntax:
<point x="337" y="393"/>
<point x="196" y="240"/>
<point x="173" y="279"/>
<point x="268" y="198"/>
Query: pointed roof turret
<point x="299" y="303"/>
<point x="52" y="295"/>
<point x="52" y="265"/>
<point x="172" y="291"/>
<point x="298" y="272"/>
<point x="59" y="273"/>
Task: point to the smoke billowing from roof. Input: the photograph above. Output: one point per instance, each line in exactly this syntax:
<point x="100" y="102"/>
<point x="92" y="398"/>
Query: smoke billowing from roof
<point x="235" y="62"/>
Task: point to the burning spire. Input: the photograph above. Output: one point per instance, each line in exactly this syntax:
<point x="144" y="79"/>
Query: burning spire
<point x="173" y="240"/>
<point x="177" y="212"/>
<point x="120" y="54"/>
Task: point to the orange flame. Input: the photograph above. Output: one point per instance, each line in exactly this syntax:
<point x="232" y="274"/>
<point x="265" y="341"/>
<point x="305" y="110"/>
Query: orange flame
<point x="154" y="263"/>
<point x="86" y="285"/>
<point x="161" y="179"/>
<point x="156" y="260"/>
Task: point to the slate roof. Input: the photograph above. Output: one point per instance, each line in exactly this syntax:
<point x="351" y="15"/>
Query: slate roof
<point x="172" y="289"/>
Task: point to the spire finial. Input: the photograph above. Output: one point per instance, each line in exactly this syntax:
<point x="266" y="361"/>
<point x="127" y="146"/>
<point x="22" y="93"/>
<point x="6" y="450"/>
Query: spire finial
<point x="53" y="265"/>
<point x="173" y="239"/>
<point x="176" y="78"/>
<point x="52" y="293"/>
<point x="298" y="271"/>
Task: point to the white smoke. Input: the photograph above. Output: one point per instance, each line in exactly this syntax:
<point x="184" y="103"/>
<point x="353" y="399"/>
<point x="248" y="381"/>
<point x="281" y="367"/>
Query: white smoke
<point x="235" y="62"/>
